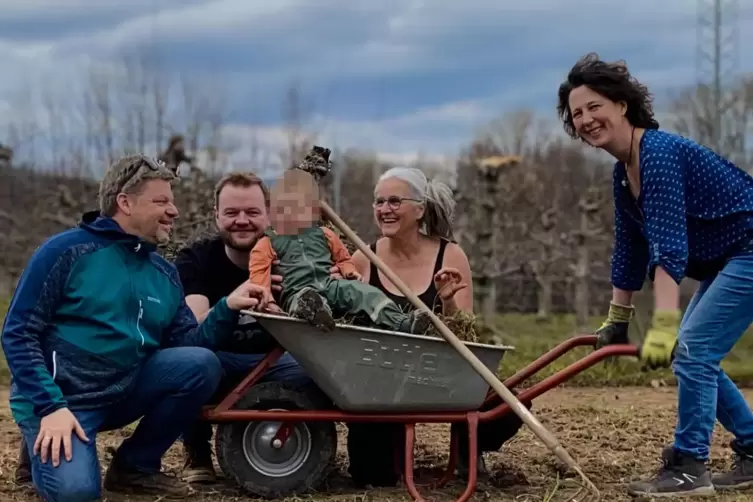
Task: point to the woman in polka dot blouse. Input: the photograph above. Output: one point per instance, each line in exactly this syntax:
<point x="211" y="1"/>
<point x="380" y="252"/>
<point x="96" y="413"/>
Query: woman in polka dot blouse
<point x="681" y="210"/>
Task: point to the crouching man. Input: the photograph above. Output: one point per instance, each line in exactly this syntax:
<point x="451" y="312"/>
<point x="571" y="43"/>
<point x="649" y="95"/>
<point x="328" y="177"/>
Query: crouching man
<point x="98" y="335"/>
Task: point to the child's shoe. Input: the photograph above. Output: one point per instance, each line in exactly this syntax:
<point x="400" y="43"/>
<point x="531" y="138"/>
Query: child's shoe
<point x="313" y="308"/>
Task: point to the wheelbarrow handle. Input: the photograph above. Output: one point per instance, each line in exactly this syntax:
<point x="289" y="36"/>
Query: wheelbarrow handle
<point x="524" y="413"/>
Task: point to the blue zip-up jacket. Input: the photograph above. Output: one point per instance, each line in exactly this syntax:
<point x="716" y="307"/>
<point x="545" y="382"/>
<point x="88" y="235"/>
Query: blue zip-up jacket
<point x="693" y="213"/>
<point x="92" y="304"/>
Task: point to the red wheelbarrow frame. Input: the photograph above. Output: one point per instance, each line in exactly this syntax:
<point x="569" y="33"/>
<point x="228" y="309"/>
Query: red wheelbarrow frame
<point x="222" y="412"/>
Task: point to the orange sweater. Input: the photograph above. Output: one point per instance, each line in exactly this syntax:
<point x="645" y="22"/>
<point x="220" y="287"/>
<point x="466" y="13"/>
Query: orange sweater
<point x="262" y="256"/>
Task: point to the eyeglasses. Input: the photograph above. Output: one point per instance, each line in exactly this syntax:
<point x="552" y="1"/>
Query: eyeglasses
<point x="133" y="168"/>
<point x="393" y="202"/>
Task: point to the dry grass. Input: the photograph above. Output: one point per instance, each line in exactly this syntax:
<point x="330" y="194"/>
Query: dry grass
<point x="465" y="326"/>
<point x="615" y="435"/>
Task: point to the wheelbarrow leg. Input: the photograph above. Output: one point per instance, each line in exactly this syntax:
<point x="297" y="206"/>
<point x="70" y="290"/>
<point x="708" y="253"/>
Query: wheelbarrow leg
<point x="452" y="463"/>
<point x="410" y="444"/>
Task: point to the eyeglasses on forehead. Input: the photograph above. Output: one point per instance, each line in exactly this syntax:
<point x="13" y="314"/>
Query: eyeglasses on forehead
<point x="151" y="164"/>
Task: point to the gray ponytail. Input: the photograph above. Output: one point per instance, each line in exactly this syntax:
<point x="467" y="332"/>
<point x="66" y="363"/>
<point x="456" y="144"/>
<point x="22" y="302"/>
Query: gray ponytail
<point x="437" y="197"/>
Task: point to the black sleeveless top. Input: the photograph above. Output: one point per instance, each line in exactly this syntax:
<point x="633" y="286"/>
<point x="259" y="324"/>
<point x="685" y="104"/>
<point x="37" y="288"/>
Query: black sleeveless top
<point x="428" y="296"/>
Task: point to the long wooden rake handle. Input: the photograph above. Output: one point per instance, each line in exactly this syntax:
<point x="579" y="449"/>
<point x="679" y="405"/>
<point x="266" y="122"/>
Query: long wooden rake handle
<point x="508" y="397"/>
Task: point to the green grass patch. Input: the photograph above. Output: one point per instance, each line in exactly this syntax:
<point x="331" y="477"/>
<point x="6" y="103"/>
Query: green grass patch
<point x="532" y="338"/>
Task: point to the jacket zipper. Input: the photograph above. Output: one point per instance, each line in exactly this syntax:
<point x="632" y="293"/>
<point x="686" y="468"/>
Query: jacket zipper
<point x="54" y="364"/>
<point x="138" y="323"/>
<point x="306" y="258"/>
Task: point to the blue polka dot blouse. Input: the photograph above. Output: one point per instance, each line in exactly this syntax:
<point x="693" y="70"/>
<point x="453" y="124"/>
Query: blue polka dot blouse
<point x="694" y="211"/>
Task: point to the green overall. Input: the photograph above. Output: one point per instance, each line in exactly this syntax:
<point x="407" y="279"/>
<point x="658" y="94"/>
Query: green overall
<point x="305" y="263"/>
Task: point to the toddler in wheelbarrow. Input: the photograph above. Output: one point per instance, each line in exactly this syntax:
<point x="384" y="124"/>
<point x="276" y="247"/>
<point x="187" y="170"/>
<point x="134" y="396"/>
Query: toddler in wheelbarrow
<point x="306" y="252"/>
<point x="303" y="253"/>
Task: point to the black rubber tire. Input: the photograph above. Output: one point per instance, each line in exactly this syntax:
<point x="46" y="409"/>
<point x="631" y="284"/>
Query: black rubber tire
<point x="229" y="445"/>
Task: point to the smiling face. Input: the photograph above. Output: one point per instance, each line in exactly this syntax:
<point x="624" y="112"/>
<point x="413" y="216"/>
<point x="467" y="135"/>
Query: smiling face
<point x="596" y="119"/>
<point x="149" y="212"/>
<point x="396" y="210"/>
<point x="241" y="215"/>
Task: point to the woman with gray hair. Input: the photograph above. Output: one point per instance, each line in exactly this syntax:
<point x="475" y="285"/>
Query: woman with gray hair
<point x="415" y="217"/>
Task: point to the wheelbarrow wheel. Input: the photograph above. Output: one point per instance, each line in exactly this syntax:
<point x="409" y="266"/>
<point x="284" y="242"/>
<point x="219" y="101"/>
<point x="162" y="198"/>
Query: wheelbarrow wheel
<point x="245" y="450"/>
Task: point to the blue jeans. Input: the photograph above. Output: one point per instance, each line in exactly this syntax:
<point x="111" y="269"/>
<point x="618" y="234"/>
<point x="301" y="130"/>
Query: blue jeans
<point x="718" y="314"/>
<point x="173" y="386"/>
<point x="235" y="367"/>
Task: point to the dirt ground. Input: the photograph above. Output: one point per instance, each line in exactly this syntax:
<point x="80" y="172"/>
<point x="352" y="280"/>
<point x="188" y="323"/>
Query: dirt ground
<point x="614" y="434"/>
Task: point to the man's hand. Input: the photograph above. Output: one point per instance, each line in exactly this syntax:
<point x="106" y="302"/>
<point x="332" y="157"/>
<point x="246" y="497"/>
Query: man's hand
<point x="55" y="431"/>
<point x="275" y="279"/>
<point x="614" y="330"/>
<point x="247" y="296"/>
<point x="354" y="276"/>
<point x="273" y="308"/>
<point x="447" y="282"/>
<point x="658" y="346"/>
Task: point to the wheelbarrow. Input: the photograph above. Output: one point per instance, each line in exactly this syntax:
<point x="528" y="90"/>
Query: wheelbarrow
<point x="274" y="441"/>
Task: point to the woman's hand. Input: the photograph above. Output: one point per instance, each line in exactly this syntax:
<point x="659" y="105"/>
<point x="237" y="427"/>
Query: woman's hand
<point x="447" y="282"/>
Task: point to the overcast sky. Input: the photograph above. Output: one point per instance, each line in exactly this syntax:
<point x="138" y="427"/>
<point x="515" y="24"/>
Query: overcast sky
<point x="397" y="76"/>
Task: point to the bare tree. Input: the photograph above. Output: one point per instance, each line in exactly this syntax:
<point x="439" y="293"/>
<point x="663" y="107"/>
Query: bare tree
<point x="488" y="194"/>
<point x="517" y="133"/>
<point x="693" y="115"/>
<point x="591" y="204"/>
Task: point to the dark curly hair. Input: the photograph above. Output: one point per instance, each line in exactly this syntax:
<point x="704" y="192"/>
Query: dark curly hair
<point x="614" y="82"/>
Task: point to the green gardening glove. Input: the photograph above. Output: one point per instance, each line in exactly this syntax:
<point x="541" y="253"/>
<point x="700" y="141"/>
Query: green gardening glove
<point x="659" y="345"/>
<point x="614" y="330"/>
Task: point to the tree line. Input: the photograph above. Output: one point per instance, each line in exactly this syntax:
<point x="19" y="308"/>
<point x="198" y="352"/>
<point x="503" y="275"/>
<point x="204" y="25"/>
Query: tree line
<point x="534" y="210"/>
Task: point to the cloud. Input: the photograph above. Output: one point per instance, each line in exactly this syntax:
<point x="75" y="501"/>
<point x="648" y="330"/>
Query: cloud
<point x="397" y="76"/>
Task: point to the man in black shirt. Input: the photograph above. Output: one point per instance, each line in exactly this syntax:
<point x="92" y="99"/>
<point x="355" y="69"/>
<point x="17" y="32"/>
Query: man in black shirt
<point x="209" y="270"/>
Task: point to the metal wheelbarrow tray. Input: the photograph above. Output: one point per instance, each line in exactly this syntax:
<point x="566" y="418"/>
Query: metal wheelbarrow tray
<point x="364" y="369"/>
<point x="275" y="442"/>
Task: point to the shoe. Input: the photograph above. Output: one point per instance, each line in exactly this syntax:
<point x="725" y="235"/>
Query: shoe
<point x="198" y="466"/>
<point x="312" y="308"/>
<point x="22" y="476"/>
<point x="741" y="474"/>
<point x="160" y="484"/>
<point x="679" y="476"/>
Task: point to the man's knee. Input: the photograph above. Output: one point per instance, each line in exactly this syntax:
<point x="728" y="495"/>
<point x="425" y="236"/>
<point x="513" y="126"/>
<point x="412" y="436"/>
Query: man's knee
<point x="75" y="481"/>
<point x="71" y="489"/>
<point x="200" y="367"/>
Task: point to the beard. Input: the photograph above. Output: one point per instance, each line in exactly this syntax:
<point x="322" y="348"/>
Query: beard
<point x="246" y="244"/>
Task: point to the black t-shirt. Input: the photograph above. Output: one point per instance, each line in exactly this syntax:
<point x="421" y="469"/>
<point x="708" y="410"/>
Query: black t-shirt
<point x="205" y="269"/>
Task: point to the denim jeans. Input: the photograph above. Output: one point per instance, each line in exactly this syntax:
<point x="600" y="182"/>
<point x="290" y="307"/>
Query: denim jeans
<point x="172" y="387"/>
<point x="718" y="314"/>
<point x="235" y="367"/>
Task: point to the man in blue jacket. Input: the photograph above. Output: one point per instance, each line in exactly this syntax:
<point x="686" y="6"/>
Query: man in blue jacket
<point x="98" y="335"/>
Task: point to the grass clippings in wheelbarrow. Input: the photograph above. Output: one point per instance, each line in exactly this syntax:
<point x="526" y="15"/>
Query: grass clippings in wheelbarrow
<point x="466" y="326"/>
